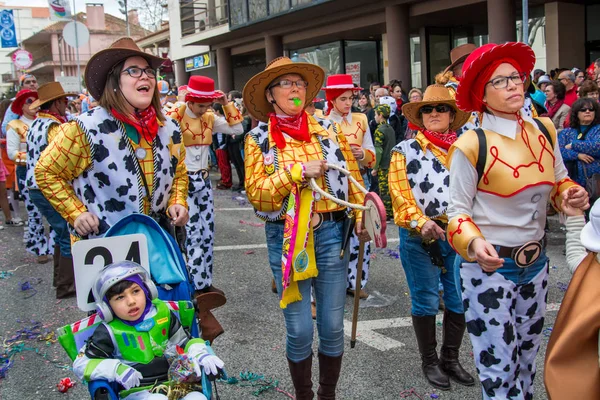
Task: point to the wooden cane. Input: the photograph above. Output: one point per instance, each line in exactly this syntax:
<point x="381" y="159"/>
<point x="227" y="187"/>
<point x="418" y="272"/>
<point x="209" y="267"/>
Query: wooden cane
<point x="359" y="268"/>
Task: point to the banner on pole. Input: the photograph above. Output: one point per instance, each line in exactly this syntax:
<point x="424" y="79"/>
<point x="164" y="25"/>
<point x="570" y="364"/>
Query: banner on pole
<point x="8" y="34"/>
<point x="60" y="10"/>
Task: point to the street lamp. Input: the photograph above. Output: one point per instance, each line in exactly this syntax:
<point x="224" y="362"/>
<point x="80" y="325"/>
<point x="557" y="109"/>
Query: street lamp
<point x="123" y="10"/>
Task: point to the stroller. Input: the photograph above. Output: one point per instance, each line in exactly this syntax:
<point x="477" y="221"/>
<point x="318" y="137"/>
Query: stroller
<point x="130" y="239"/>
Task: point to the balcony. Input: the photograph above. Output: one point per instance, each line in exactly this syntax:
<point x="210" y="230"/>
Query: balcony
<point x="202" y="15"/>
<point x="247" y="12"/>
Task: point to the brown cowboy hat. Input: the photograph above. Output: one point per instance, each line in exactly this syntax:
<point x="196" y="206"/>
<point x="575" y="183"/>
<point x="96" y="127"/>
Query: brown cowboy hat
<point x="459" y="54"/>
<point x="435" y="94"/>
<point x="254" y="92"/>
<point x="48" y="92"/>
<point x="103" y="61"/>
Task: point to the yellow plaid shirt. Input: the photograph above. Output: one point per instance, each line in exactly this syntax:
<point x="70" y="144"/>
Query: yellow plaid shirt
<point x="403" y="201"/>
<point x="68" y="156"/>
<point x="268" y="192"/>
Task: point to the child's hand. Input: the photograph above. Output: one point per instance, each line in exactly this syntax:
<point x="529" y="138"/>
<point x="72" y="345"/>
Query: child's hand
<point x="566" y="206"/>
<point x="202" y="358"/>
<point x="128" y="377"/>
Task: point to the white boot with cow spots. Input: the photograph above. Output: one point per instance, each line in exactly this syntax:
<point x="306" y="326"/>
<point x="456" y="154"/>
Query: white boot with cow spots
<point x="353" y="265"/>
<point x="505" y="322"/>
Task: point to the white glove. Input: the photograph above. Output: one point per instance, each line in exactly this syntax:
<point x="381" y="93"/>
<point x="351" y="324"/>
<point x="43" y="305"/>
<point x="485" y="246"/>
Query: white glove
<point x="202" y="358"/>
<point x="129" y="377"/>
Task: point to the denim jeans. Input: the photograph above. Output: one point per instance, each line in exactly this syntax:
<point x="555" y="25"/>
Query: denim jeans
<point x="329" y="291"/>
<point x="423" y="277"/>
<point x="21" y="172"/>
<point x="55" y="220"/>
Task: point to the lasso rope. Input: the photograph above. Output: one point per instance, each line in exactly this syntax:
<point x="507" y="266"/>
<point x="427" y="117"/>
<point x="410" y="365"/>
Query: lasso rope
<point x="315" y="187"/>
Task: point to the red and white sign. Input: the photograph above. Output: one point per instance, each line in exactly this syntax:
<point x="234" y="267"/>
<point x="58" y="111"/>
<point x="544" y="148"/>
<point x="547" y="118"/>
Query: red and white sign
<point x="22" y="59"/>
<point x="353" y="69"/>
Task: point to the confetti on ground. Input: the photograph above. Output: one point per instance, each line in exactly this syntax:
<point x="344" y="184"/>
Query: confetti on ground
<point x="249" y="252"/>
<point x="392" y="253"/>
<point x="562" y="286"/>
<point x="258" y="383"/>
<point x="255" y="224"/>
<point x="547" y="332"/>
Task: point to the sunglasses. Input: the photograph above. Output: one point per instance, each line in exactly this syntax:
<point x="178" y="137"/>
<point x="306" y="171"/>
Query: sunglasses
<point x="440" y="108"/>
<point x="587" y="109"/>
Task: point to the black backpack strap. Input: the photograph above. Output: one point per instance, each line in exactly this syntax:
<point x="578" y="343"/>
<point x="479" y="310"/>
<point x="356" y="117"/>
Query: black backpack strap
<point x="482" y="155"/>
<point x="544" y="130"/>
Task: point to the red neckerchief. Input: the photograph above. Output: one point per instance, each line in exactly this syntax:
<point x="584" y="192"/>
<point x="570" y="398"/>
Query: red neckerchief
<point x="553" y="109"/>
<point x="443" y="140"/>
<point x="145" y="122"/>
<point x="295" y="126"/>
<point x="60" y="118"/>
<point x="399" y="103"/>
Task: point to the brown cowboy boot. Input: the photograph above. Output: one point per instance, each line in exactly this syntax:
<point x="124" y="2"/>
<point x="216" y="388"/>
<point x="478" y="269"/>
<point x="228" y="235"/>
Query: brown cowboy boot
<point x="302" y="378"/>
<point x="65" y="280"/>
<point x="210" y="328"/>
<point x="454" y="329"/>
<point x="329" y="373"/>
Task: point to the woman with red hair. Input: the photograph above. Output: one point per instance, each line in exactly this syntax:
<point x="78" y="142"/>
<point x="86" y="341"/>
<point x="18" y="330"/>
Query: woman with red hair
<point x="501" y="177"/>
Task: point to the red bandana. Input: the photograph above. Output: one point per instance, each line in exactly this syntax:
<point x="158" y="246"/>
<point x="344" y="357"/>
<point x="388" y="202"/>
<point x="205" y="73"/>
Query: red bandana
<point x="296" y="127"/>
<point x="145" y="122"/>
<point x="60" y="118"/>
<point x="399" y="103"/>
<point x="443" y="140"/>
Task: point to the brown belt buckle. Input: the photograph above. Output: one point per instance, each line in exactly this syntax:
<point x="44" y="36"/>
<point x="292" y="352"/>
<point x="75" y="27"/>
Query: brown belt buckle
<point x="527" y="254"/>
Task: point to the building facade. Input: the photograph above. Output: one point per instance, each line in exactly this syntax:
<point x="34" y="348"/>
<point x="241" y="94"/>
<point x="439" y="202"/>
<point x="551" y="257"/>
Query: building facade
<point x="408" y="40"/>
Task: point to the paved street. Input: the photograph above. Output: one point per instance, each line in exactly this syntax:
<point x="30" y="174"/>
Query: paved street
<point x="384" y="365"/>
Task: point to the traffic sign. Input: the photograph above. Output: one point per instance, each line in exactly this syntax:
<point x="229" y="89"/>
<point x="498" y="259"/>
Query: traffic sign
<point x="73" y="38"/>
<point x="203" y="60"/>
<point x="22" y="59"/>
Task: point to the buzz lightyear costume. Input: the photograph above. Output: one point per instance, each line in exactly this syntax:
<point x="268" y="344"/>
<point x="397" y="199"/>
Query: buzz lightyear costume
<point x="133" y="353"/>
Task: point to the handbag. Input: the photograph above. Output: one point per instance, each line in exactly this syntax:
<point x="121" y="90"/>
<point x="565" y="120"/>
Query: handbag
<point x="592" y="184"/>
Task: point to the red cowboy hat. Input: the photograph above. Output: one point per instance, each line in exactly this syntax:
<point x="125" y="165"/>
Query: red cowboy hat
<point x="24" y="94"/>
<point x="340" y="81"/>
<point x="479" y="59"/>
<point x="201" y="89"/>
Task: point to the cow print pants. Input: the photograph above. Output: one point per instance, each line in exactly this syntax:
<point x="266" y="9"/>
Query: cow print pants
<point x="37" y="242"/>
<point x="353" y="264"/>
<point x="200" y="231"/>
<point x="505" y="322"/>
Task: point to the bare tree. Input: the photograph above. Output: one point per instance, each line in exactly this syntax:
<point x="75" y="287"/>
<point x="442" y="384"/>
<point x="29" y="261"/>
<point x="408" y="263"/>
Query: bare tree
<point x="534" y="26"/>
<point x="151" y="12"/>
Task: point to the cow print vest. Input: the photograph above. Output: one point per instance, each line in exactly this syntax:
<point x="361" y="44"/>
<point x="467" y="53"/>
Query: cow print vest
<point x="427" y="176"/>
<point x="337" y="183"/>
<point x="37" y="141"/>
<point x="112" y="187"/>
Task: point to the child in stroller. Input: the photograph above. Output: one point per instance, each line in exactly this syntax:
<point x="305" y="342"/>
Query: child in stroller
<point x="138" y="331"/>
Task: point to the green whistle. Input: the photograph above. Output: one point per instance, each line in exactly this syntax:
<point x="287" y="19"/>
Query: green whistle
<point x="297" y="102"/>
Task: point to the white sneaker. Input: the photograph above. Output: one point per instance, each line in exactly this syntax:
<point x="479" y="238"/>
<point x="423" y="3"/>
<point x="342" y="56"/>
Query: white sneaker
<point x="1" y="227"/>
<point x="13" y="222"/>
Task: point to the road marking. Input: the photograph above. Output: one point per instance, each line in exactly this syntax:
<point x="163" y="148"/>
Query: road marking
<point x="264" y="246"/>
<point x="366" y="330"/>
<point x="235" y="209"/>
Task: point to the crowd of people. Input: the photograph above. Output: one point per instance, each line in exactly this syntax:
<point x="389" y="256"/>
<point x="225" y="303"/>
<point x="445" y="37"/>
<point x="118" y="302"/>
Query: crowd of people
<point x="468" y="169"/>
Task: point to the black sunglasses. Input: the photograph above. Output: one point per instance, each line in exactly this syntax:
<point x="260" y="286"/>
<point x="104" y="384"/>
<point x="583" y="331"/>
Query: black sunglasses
<point x="586" y="109"/>
<point x="440" y="108"/>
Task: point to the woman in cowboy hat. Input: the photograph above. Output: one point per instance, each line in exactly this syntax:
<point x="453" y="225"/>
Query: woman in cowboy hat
<point x="339" y="93"/>
<point x="197" y="124"/>
<point x="121" y="157"/>
<point x="501" y="177"/>
<point x="16" y="144"/>
<point x="418" y="181"/>
<point x="52" y="102"/>
<point x="304" y="233"/>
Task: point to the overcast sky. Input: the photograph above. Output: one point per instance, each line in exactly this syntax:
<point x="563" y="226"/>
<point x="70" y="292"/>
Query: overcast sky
<point x="110" y="6"/>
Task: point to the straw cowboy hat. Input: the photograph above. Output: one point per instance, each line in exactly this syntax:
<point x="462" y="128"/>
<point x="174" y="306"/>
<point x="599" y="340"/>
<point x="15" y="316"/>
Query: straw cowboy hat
<point x="48" y="92"/>
<point x="459" y="54"/>
<point x="435" y="94"/>
<point x="479" y="59"/>
<point x="103" y="61"/>
<point x="254" y="92"/>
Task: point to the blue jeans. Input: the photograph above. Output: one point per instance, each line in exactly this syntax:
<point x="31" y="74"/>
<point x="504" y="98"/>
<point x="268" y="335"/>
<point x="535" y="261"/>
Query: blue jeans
<point x="21" y="172"/>
<point x="329" y="291"/>
<point x="423" y="277"/>
<point x="56" y="221"/>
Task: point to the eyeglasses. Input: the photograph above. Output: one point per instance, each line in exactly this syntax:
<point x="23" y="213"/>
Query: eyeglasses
<point x="587" y="109"/>
<point x="136" y="72"/>
<point x="501" y="82"/>
<point x="287" y="84"/>
<point x="440" y="108"/>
